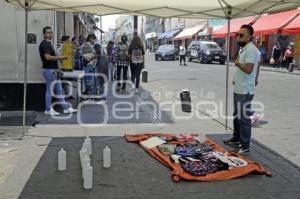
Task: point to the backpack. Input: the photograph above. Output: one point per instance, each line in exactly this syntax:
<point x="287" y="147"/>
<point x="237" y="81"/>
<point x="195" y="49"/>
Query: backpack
<point x="123" y="52"/>
<point x="137" y="56"/>
<point x="277" y="52"/>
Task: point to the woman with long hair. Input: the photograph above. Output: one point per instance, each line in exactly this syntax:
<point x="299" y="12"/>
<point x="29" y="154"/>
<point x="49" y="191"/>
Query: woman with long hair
<point x="136" y="53"/>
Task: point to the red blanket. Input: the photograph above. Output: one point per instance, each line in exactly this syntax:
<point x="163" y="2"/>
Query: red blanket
<point x="178" y="173"/>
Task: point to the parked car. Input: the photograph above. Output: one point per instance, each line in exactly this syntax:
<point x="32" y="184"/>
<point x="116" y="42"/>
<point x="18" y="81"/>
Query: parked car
<point x="206" y="52"/>
<point x="167" y="52"/>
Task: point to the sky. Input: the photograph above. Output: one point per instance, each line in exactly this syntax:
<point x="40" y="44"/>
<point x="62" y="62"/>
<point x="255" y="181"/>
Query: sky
<point x="109" y="22"/>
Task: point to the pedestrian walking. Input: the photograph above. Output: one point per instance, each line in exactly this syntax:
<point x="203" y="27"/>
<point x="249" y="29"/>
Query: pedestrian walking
<point x="182" y="54"/>
<point x="263" y="52"/>
<point x="276" y="54"/>
<point x="101" y="68"/>
<point x="122" y="61"/>
<point x="288" y="57"/>
<point x="89" y="63"/>
<point x="136" y="52"/>
<point x="244" y="90"/>
<point x="50" y="66"/>
<point x="111" y="54"/>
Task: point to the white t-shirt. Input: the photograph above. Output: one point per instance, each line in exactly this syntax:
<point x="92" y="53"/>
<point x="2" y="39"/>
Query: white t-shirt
<point x="182" y="50"/>
<point x="245" y="83"/>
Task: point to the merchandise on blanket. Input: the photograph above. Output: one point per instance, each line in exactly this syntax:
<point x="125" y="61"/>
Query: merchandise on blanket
<point x="152" y="142"/>
<point x="167" y="138"/>
<point x="200" y="168"/>
<point x="230" y="160"/>
<point x="175" y="158"/>
<point x="167" y="149"/>
<point x="185" y="138"/>
<point x="192" y="150"/>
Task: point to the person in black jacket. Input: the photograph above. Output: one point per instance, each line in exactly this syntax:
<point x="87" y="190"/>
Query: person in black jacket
<point x="122" y="62"/>
<point x="136" y="53"/>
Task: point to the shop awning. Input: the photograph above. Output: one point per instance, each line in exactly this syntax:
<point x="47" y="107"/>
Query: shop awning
<point x="273" y="23"/>
<point x="188" y="33"/>
<point x="207" y="32"/>
<point x="235" y="25"/>
<point x="150" y="35"/>
<point x="293" y="27"/>
<point x="169" y="34"/>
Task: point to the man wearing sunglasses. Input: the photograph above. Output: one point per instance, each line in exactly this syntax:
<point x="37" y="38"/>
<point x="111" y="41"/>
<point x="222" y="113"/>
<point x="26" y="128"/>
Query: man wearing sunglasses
<point x="244" y="89"/>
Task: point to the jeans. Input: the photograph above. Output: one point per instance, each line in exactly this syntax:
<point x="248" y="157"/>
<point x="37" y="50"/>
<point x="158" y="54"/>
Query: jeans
<point x="136" y="70"/>
<point x="100" y="83"/>
<point x="119" y="69"/>
<point x="111" y="68"/>
<point x="50" y="77"/>
<point x="89" y="79"/>
<point x="182" y="58"/>
<point x="242" y="121"/>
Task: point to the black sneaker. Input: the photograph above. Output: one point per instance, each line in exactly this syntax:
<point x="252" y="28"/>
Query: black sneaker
<point x="232" y="142"/>
<point x="243" y="150"/>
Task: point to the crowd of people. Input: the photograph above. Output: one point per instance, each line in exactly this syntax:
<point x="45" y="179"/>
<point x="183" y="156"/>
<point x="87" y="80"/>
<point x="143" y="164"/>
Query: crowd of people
<point x="99" y="64"/>
<point x="280" y="57"/>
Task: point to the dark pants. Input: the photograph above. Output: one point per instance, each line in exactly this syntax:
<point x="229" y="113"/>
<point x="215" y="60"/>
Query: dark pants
<point x="182" y="58"/>
<point x="242" y="121"/>
<point x="288" y="61"/>
<point x="136" y="70"/>
<point x="119" y="69"/>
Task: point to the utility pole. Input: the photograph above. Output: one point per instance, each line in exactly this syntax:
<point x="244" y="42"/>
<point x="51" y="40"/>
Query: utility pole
<point x="101" y="30"/>
<point x="135" y="25"/>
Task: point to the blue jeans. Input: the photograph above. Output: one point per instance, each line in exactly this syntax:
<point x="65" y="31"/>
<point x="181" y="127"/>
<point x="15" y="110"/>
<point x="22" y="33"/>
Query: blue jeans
<point x="50" y="76"/>
<point x="242" y="121"/>
<point x="89" y="80"/>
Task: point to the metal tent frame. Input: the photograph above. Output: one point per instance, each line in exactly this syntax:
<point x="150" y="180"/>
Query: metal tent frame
<point x="224" y="6"/>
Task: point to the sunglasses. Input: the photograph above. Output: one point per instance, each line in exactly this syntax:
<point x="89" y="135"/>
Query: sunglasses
<point x="240" y="35"/>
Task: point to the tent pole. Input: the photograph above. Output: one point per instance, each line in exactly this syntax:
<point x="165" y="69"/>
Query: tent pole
<point x="25" y="68"/>
<point x="227" y="72"/>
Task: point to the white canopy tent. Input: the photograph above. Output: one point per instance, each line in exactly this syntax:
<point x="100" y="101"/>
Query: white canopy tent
<point x="227" y="9"/>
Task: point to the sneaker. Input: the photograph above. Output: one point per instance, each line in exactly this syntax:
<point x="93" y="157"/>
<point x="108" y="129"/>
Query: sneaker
<point x="136" y="91"/>
<point x="52" y="112"/>
<point x="243" y="150"/>
<point x="254" y="118"/>
<point x="70" y="110"/>
<point x="232" y="142"/>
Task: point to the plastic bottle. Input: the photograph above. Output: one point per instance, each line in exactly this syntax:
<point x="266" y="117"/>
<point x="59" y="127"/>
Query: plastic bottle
<point x="88" y="177"/>
<point x="82" y="154"/>
<point x="86" y="162"/>
<point x="106" y="157"/>
<point x="88" y="146"/>
<point x="62" y="160"/>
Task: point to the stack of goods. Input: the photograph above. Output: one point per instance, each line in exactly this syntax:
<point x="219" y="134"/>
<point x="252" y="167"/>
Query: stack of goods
<point x="198" y="159"/>
<point x="191" y="158"/>
<point x="68" y="51"/>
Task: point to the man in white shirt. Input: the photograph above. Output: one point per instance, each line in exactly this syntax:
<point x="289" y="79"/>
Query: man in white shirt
<point x="182" y="53"/>
<point x="244" y="89"/>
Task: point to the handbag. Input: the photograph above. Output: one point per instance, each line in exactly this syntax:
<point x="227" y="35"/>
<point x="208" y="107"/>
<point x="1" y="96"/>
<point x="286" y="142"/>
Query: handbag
<point x="272" y="61"/>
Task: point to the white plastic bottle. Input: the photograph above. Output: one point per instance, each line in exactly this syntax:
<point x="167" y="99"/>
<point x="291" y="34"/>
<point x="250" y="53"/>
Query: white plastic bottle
<point x="106" y="157"/>
<point x="88" y="146"/>
<point x="82" y="154"/>
<point x="88" y="177"/>
<point x="62" y="160"/>
<point x="86" y="162"/>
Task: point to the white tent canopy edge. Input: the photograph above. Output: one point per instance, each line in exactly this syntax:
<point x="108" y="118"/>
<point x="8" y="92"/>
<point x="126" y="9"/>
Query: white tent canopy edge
<point x="227" y="9"/>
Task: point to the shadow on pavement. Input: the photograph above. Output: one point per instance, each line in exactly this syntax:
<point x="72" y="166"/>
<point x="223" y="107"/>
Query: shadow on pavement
<point x="134" y="174"/>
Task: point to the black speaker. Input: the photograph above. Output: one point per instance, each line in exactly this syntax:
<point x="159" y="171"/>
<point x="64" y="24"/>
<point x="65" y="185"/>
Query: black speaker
<point x="185" y="101"/>
<point x="144" y="76"/>
<point x="291" y="67"/>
